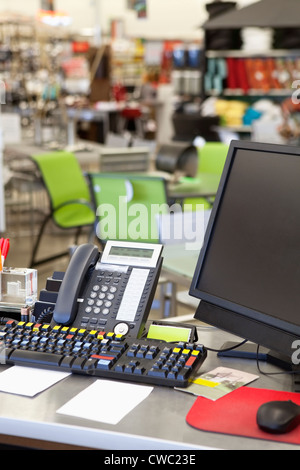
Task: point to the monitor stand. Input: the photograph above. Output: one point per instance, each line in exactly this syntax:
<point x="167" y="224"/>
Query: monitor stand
<point x="230" y="321"/>
<point x="249" y="351"/>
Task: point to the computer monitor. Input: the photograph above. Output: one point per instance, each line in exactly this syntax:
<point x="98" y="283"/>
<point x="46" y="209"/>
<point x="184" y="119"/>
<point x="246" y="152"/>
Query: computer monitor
<point x="188" y="126"/>
<point x="248" y="271"/>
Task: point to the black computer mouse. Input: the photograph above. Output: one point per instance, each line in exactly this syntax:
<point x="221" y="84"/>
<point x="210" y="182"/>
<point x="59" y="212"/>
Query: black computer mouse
<point x="278" y="417"/>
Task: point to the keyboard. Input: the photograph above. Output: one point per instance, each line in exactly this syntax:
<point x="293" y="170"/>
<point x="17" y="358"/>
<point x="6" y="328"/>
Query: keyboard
<point x="100" y="354"/>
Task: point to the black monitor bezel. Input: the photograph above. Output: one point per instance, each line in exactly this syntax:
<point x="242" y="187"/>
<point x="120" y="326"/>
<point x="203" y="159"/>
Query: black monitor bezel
<point x="247" y="323"/>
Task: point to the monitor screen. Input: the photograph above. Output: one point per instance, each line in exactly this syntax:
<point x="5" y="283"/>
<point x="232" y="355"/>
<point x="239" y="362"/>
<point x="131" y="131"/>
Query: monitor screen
<point x="248" y="272"/>
<point x="188" y="126"/>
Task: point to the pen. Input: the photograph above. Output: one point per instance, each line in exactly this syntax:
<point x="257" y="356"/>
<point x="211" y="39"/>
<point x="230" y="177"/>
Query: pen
<point x="1" y="249"/>
<point x="5" y="248"/>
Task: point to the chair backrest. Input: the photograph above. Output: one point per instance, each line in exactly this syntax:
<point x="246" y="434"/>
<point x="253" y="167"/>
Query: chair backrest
<point x="64" y="181"/>
<point x="127" y="206"/>
<point x="212" y="157"/>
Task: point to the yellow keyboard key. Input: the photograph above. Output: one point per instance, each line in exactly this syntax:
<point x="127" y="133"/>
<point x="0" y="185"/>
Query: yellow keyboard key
<point x="195" y="353"/>
<point x="185" y="352"/>
<point x="176" y="350"/>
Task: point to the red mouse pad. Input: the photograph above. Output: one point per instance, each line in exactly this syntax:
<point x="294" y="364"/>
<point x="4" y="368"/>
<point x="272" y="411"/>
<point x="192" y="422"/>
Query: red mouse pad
<point x="235" y="414"/>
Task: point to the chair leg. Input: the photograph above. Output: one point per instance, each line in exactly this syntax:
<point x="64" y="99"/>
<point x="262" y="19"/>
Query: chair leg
<point x="168" y="299"/>
<point x="38" y="240"/>
<point x="35" y="262"/>
<point x="90" y="237"/>
<point x="78" y="232"/>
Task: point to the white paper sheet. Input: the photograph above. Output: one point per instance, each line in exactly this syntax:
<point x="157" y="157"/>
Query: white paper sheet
<point x="28" y="381"/>
<point x="106" y="401"/>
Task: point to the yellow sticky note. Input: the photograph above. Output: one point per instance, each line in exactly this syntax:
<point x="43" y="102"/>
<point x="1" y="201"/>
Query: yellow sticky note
<point x="169" y="333"/>
<point x="206" y="383"/>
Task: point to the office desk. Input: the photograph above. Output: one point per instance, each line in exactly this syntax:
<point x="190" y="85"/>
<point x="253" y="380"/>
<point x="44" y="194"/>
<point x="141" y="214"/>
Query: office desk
<point x="205" y="185"/>
<point x="88" y="156"/>
<point x="158" y="423"/>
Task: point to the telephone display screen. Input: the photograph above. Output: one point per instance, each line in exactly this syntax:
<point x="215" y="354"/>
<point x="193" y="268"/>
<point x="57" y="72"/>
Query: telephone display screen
<point x="132" y="252"/>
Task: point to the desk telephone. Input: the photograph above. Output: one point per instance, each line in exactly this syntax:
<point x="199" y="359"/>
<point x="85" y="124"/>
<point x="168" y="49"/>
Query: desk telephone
<point x="112" y="292"/>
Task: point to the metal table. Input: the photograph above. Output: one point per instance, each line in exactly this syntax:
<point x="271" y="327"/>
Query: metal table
<point x="158" y="423"/>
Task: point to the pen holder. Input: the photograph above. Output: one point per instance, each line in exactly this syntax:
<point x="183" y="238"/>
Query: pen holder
<point x="18" y="286"/>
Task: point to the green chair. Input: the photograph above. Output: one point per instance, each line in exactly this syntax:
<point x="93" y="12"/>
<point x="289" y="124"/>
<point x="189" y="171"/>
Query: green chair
<point x="127" y="206"/>
<point x="212" y="157"/>
<point x="70" y="199"/>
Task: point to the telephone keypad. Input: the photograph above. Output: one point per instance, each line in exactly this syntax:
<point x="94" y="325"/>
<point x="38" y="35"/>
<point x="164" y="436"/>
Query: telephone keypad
<point x="117" y="297"/>
<point x="103" y="299"/>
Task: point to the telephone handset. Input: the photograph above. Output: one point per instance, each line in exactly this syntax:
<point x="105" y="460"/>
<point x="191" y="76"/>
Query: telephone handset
<point x="113" y="291"/>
